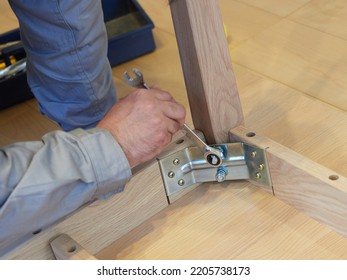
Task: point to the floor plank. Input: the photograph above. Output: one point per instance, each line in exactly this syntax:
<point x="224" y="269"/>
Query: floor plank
<point x="244" y="21"/>
<point x="284" y="67"/>
<point x="280" y="8"/>
<point x="324" y="15"/>
<point x="300" y="57"/>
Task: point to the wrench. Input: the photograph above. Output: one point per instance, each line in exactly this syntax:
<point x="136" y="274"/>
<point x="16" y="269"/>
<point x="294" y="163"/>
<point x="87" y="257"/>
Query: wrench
<point x="212" y="155"/>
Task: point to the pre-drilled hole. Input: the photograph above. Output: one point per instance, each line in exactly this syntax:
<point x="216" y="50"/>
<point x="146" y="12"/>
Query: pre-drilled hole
<point x="71" y="249"/>
<point x="250" y="134"/>
<point x="36" y="231"/>
<point x="333" y="177"/>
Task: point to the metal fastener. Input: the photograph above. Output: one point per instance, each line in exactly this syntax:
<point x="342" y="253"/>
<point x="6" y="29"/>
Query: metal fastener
<point x="171" y="174"/>
<point x="261" y="166"/>
<point x="253" y="154"/>
<point x="181" y="182"/>
<point x="176" y="161"/>
<point x="258" y="175"/>
<point x="221" y="174"/>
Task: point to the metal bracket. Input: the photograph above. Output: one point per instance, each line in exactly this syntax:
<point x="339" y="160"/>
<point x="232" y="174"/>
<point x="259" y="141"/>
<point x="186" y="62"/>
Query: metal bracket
<point x="188" y="166"/>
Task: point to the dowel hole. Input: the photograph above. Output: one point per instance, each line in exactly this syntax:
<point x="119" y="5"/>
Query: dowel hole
<point x="333" y="177"/>
<point x="36" y="231"/>
<point x="250" y="134"/>
<point x="71" y="249"/>
<point x="180" y="141"/>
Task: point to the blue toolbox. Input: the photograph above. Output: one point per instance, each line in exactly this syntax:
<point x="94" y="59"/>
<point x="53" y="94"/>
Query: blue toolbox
<point x="129" y="31"/>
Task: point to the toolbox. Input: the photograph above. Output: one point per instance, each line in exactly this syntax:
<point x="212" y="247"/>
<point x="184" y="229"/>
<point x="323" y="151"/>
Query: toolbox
<point x="129" y="31"/>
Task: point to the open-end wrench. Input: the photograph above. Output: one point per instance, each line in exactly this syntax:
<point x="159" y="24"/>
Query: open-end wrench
<point x="212" y="155"/>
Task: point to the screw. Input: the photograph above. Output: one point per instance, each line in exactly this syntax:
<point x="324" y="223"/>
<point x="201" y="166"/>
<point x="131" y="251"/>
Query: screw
<point x="171" y="174"/>
<point x="181" y="182"/>
<point x="253" y="154"/>
<point x="176" y="161"/>
<point x="221" y="174"/>
<point x="261" y="166"/>
<point x="258" y="175"/>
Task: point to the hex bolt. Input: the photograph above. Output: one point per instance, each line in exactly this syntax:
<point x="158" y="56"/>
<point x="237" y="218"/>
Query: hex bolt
<point x="171" y="174"/>
<point x="221" y="174"/>
<point x="176" y="161"/>
<point x="181" y="182"/>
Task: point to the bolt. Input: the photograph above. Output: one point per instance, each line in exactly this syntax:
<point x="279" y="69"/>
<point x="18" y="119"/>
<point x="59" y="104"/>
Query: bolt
<point x="171" y="174"/>
<point x="258" y="175"/>
<point x="181" y="182"/>
<point x="214" y="160"/>
<point x="221" y="174"/>
<point x="176" y="161"/>
<point x="261" y="166"/>
<point x="253" y="154"/>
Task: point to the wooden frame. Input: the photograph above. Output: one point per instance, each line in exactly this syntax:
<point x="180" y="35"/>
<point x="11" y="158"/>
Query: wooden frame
<point x="208" y="73"/>
<point x="202" y="46"/>
<point x="216" y="109"/>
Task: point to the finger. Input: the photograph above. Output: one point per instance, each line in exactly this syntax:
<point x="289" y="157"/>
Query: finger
<point x="173" y="126"/>
<point x="175" y="112"/>
<point x="161" y="95"/>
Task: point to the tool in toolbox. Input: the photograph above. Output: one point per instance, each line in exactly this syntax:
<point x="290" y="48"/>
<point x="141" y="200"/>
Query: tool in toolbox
<point x="212" y="155"/>
<point x="204" y="163"/>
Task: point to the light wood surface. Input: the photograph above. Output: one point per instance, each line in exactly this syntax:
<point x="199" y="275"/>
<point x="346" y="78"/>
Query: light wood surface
<point x="288" y="68"/>
<point x="208" y="73"/>
<point x="97" y="225"/>
<point x="66" y="248"/>
<point x="315" y="190"/>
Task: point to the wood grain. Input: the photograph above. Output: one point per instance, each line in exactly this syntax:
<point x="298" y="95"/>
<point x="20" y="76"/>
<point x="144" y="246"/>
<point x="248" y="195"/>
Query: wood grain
<point x="66" y="248"/>
<point x="327" y="16"/>
<point x="99" y="224"/>
<point x="209" y="77"/>
<point x="281" y="8"/>
<point x="317" y="191"/>
<point x="233" y="220"/>
<point x="300" y="57"/>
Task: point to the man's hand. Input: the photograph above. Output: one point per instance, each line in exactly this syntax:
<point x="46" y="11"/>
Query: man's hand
<point x="143" y="123"/>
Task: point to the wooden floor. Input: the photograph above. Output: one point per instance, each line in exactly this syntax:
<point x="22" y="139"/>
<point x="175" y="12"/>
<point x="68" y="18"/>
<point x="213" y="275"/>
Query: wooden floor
<point x="290" y="62"/>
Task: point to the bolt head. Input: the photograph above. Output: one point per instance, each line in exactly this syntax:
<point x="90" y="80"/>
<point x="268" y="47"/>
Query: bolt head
<point x="176" y="161"/>
<point x="253" y="154"/>
<point x="171" y="174"/>
<point x="181" y="182"/>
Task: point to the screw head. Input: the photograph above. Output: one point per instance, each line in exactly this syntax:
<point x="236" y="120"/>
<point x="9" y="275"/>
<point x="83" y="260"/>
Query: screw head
<point x="181" y="182"/>
<point x="253" y="154"/>
<point x="176" y="161"/>
<point x="261" y="166"/>
<point x="171" y="174"/>
<point x="258" y="175"/>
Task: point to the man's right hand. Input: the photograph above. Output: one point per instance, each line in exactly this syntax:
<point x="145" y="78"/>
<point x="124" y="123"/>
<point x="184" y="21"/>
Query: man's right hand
<point x="143" y="123"/>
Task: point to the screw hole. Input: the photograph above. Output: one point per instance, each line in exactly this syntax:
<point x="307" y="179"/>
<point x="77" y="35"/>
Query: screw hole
<point x="71" y="249"/>
<point x="250" y="134"/>
<point x="333" y="177"/>
<point x="36" y="231"/>
<point x="180" y="141"/>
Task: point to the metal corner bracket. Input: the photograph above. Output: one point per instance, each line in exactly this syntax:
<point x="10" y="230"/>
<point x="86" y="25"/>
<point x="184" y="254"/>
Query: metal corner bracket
<point x="188" y="167"/>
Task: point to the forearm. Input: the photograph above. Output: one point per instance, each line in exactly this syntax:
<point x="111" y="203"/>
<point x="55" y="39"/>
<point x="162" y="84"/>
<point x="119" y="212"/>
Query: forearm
<point x="42" y="181"/>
